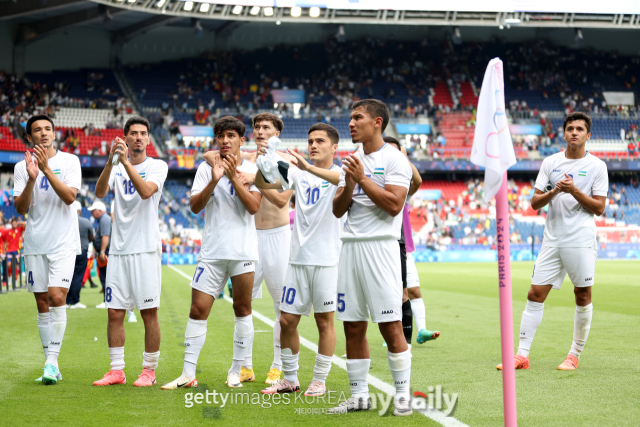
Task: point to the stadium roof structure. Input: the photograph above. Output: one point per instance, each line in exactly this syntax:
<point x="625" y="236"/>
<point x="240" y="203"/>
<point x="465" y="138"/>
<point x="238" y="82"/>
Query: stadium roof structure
<point x="128" y="18"/>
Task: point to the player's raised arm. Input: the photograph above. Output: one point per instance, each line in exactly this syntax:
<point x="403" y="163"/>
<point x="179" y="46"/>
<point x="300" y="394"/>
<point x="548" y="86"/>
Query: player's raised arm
<point x="343" y="198"/>
<point x="24" y="184"/>
<point x="202" y="190"/>
<point x="263" y="185"/>
<point x="594" y="204"/>
<point x="541" y="199"/>
<point x="249" y="199"/>
<point x="145" y="189"/>
<point x="66" y="193"/>
<point x="390" y="199"/>
<point x="102" y="186"/>
<point x="416" y="179"/>
<point x="333" y="176"/>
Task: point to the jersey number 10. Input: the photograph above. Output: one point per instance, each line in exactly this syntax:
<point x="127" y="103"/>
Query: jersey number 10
<point x="313" y="194"/>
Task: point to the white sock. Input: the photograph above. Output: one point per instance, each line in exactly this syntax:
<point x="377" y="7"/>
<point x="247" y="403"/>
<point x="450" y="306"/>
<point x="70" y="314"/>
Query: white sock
<point x="419" y="313"/>
<point x="277" y="359"/>
<point x="150" y="360"/>
<point x="57" y="325"/>
<point x="242" y="341"/>
<point x="116" y="354"/>
<point x="248" y="362"/>
<point x="400" y="366"/>
<point x="322" y="368"/>
<point x="194" y="338"/>
<point x="358" y="370"/>
<point x="531" y="319"/>
<point x="290" y="365"/>
<point x="43" y="329"/>
<point x="581" y="326"/>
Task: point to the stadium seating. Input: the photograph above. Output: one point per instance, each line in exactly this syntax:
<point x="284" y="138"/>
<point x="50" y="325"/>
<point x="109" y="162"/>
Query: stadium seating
<point x="8" y="142"/>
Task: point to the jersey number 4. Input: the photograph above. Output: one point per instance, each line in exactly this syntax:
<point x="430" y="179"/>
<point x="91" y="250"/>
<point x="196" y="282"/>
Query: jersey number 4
<point x="128" y="187"/>
<point x="44" y="184"/>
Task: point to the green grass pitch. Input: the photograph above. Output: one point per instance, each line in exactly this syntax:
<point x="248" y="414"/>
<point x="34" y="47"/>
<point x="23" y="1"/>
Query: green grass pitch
<point x="461" y="301"/>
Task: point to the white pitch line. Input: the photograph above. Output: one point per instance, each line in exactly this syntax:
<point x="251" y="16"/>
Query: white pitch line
<point x="387" y="388"/>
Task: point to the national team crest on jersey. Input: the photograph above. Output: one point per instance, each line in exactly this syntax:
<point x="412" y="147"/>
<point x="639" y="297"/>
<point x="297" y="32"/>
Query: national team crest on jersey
<point x="56" y="171"/>
<point x="582" y="173"/>
<point x="325" y="184"/>
<point x="378" y="171"/>
<point x="143" y="174"/>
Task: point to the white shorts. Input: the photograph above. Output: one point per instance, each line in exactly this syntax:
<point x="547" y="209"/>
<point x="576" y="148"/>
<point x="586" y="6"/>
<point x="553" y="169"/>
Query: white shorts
<point x="134" y="280"/>
<point x="413" y="280"/>
<point x="49" y="271"/>
<point x="211" y="275"/>
<point x="370" y="282"/>
<point x="273" y="249"/>
<point x="309" y="286"/>
<point x="553" y="264"/>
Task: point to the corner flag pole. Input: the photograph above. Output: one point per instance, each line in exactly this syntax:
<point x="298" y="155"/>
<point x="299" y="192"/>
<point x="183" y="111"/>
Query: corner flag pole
<point x="506" y="307"/>
<point x="493" y="150"/>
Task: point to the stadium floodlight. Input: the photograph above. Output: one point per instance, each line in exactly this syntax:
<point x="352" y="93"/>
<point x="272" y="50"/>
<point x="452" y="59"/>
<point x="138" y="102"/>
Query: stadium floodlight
<point x="131" y="1"/>
<point x="296" y="11"/>
<point x="188" y="6"/>
<point x="512" y="21"/>
<point x="237" y="10"/>
<point x="161" y="3"/>
<point x="268" y="11"/>
<point x="204" y="7"/>
<point x="255" y="10"/>
<point x="314" y="12"/>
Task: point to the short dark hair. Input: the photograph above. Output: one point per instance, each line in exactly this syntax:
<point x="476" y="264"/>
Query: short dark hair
<point x="268" y="117"/>
<point x="392" y="140"/>
<point x="136" y="120"/>
<point x="375" y="109"/>
<point x="37" y="117"/>
<point x="332" y="132"/>
<point x="228" y="123"/>
<point x="578" y="115"/>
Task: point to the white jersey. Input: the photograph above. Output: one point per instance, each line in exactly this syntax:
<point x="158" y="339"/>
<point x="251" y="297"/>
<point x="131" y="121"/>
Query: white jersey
<point x="229" y="230"/>
<point x="52" y="225"/>
<point x="135" y="221"/>
<point x="366" y="221"/>
<point x="316" y="231"/>
<point x="568" y="224"/>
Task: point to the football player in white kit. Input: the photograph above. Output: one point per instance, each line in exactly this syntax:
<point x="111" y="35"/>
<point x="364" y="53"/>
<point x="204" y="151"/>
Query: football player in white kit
<point x="274" y="240"/>
<point x="574" y="184"/>
<point x="134" y="275"/>
<point x="229" y="249"/>
<point x="312" y="277"/>
<point x="45" y="186"/>
<point x="372" y="190"/>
